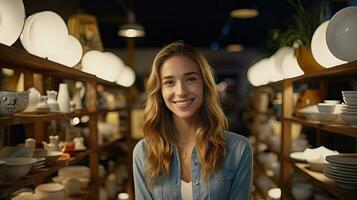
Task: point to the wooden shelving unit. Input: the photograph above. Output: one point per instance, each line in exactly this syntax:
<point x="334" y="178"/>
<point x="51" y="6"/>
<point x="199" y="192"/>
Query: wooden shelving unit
<point x="34" y="69"/>
<point x="346" y="71"/>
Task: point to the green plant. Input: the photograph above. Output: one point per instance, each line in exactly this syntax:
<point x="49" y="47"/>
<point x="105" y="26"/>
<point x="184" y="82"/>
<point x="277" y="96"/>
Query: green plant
<point x="305" y="23"/>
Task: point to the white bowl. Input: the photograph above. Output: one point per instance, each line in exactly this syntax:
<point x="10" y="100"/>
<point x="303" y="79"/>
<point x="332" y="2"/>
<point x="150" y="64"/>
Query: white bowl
<point x="350" y="119"/>
<point x="17" y="168"/>
<point x="326" y="108"/>
<point x="52" y="157"/>
<point x="302" y="191"/>
<point x="316" y="165"/>
<point x="332" y="101"/>
<point x="51" y="191"/>
<point x="325" y="117"/>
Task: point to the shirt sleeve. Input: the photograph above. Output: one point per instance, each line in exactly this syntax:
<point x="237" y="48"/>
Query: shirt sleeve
<point x="242" y="183"/>
<point x="141" y="190"/>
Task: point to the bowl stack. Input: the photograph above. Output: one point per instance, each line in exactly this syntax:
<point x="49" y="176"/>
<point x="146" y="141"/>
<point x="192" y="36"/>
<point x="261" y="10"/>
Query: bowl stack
<point x="349" y="110"/>
<point x="342" y="169"/>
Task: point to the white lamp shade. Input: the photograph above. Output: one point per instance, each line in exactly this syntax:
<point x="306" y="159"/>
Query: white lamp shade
<point x="341" y="34"/>
<point x="47" y="32"/>
<point x="279" y="56"/>
<point x="319" y="48"/>
<point x="92" y="61"/>
<point x="257" y="74"/>
<point x="290" y="67"/>
<point x="126" y="77"/>
<point x="12" y="17"/>
<point x="272" y="72"/>
<point x="70" y="52"/>
<point x="113" y="65"/>
<point x="25" y="34"/>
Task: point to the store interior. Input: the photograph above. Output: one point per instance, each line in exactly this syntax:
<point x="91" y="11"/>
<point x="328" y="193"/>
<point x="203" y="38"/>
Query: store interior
<point x="72" y="91"/>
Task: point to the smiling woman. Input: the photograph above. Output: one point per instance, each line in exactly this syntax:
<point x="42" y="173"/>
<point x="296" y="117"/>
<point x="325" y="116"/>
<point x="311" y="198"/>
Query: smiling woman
<point x="186" y="152"/>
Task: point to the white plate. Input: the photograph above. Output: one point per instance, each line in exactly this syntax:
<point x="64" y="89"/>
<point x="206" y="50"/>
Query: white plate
<point x="25" y="35"/>
<point x="339" y="178"/>
<point x="12" y="13"/>
<point x="300" y="156"/>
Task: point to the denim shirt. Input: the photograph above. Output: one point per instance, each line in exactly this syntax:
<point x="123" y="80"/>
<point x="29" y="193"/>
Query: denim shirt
<point x="232" y="182"/>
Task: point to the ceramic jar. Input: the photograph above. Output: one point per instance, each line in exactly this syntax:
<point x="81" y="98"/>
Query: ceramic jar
<point x="52" y="101"/>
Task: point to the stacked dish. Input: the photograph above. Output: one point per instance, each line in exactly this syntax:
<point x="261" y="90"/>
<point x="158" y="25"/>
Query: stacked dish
<point x="349" y="110"/>
<point x="342" y="169"/>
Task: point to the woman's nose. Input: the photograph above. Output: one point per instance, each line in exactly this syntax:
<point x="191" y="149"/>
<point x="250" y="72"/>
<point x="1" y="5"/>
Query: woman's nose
<point x="181" y="89"/>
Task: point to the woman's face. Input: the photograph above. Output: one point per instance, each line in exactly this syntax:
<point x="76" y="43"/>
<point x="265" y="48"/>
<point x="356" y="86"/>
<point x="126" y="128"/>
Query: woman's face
<point x="182" y="86"/>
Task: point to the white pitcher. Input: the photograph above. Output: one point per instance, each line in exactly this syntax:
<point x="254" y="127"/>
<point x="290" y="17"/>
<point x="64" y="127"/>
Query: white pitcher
<point x="52" y="102"/>
<point x="63" y="98"/>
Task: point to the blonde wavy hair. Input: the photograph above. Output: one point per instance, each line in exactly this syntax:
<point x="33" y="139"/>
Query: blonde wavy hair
<point x="159" y="129"/>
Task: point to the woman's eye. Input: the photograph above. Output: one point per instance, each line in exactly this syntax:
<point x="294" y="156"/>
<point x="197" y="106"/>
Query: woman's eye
<point x="190" y="79"/>
<point x="169" y="83"/>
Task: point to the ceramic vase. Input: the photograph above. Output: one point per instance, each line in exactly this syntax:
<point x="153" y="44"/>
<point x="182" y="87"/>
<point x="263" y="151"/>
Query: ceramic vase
<point x="63" y="98"/>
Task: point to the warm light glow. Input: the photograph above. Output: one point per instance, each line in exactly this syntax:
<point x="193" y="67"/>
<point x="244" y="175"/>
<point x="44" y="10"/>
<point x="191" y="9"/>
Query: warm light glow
<point x="84" y="118"/>
<point x="104" y="65"/>
<point x="244" y="13"/>
<point x="234" y="48"/>
<point x="131" y="30"/>
<point x="75" y="121"/>
<point x="48" y="31"/>
<point x="290" y="67"/>
<point x="274" y="193"/>
<point x="126" y="77"/>
<point x="319" y="48"/>
<point x="12" y="16"/>
<point x="123" y="196"/>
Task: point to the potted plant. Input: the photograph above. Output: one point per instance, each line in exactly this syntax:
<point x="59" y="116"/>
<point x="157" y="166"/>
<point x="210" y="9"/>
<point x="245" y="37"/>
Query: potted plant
<point x="300" y="33"/>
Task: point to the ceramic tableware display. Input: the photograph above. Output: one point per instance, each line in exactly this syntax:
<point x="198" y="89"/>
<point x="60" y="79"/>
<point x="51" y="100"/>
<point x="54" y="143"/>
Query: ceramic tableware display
<point x="52" y="101"/>
<point x="43" y="106"/>
<point x="349" y="109"/>
<point x="63" y="98"/>
<point x="53" y="145"/>
<point x="342" y="169"/>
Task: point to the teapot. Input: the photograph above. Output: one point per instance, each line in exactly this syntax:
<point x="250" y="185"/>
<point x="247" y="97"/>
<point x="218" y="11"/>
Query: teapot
<point x="54" y="144"/>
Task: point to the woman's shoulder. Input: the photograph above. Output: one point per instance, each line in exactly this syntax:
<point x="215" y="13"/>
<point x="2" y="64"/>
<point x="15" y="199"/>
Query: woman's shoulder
<point x="140" y="148"/>
<point x="235" y="140"/>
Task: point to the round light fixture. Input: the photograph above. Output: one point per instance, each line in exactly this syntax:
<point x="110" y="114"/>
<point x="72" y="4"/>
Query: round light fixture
<point x="234" y="48"/>
<point x="244" y="13"/>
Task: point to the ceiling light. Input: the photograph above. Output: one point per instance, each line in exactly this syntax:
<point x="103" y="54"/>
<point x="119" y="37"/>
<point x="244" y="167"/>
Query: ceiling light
<point x="234" y="48"/>
<point x="131" y="29"/>
<point x="244" y="13"/>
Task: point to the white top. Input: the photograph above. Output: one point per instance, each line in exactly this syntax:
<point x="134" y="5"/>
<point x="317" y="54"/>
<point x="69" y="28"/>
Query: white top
<point x="186" y="190"/>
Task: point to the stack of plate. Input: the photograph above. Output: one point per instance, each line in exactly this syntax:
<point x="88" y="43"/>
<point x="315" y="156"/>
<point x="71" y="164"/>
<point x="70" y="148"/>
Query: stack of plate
<point x="40" y="163"/>
<point x="342" y="169"/>
<point x="349" y="110"/>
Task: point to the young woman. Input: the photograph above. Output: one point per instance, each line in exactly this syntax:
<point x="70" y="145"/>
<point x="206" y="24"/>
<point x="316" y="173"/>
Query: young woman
<point x="186" y="152"/>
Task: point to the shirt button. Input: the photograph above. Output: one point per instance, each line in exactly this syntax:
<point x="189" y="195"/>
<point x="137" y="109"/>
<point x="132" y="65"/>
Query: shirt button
<point x="197" y="182"/>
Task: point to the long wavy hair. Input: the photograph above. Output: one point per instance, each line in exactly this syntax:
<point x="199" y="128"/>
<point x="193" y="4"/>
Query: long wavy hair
<point x="159" y="130"/>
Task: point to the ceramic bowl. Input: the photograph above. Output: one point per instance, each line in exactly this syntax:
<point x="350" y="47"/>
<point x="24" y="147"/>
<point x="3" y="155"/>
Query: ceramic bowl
<point x="17" y="168"/>
<point x="51" y="191"/>
<point x="325" y="117"/>
<point x="74" y="171"/>
<point x="9" y="151"/>
<point x="12" y="102"/>
<point x="326" y="108"/>
<point x="332" y="101"/>
<point x="52" y="157"/>
<point x="350" y="119"/>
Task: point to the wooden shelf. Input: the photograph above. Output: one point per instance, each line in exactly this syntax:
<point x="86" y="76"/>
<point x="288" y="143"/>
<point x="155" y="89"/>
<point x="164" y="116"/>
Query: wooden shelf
<point x="343" y="129"/>
<point x="31" y="117"/>
<point x="14" y="58"/>
<point x="34" y="177"/>
<point x="325" y="182"/>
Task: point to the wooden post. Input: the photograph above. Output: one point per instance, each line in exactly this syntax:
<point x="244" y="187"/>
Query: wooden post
<point x="93" y="137"/>
<point x="287" y="111"/>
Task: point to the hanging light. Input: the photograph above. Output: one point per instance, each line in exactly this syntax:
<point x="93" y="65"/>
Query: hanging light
<point x="244" y="13"/>
<point x="131" y="29"/>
